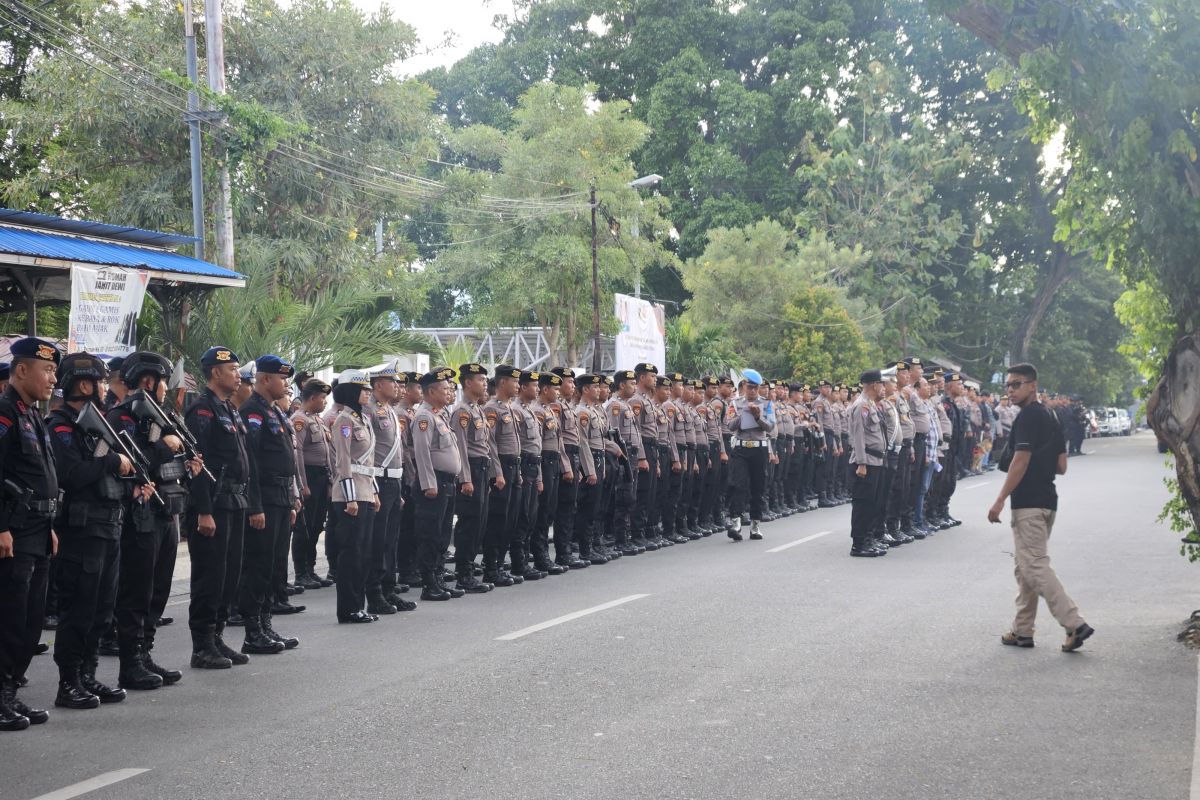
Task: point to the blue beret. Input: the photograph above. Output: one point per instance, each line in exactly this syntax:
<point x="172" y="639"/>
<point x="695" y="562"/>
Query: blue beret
<point x="752" y="376"/>
<point x="214" y="356"/>
<point x="32" y="347"/>
<point x="273" y="365"/>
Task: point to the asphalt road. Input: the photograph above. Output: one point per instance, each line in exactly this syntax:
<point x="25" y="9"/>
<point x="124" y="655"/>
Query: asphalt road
<point x="729" y="671"/>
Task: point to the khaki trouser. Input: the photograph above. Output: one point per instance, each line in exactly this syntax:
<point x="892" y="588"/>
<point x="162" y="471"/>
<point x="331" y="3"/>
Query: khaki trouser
<point x="1035" y="577"/>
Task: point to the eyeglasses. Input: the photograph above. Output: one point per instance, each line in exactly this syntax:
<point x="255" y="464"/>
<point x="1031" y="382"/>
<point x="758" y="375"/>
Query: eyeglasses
<point x="1016" y="384"/>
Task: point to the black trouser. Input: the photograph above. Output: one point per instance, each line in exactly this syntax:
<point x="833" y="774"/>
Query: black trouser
<point x="23" y="597"/>
<point x="547" y="507"/>
<point x="314" y="514"/>
<point x="647" y="486"/>
<point x="825" y="470"/>
<point x="432" y="517"/>
<point x="381" y="560"/>
<point x="920" y="458"/>
<point x="901" y="488"/>
<point x="843" y="466"/>
<point x="725" y="479"/>
<point x="699" y="484"/>
<point x="710" y="484"/>
<point x="406" y="541"/>
<point x="749" y="467"/>
<point x="87" y="591"/>
<point x="794" y="489"/>
<point x="354" y="545"/>
<point x="259" y="562"/>
<point x="568" y="503"/>
<point x="866" y="498"/>
<point x="503" y="506"/>
<point x="472" y="511"/>
<point x="667" y="488"/>
<point x="618" y="499"/>
<point x="944" y="484"/>
<point x="525" y="516"/>
<point x="768" y="482"/>
<point x="216" y="567"/>
<point x="588" y="505"/>
<point x="670" y="502"/>
<point x="281" y="546"/>
<point x="144" y="579"/>
<point x="886" y="478"/>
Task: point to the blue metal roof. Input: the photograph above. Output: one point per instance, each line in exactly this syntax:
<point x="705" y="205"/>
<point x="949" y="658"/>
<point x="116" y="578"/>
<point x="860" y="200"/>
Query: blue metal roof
<point x="27" y="242"/>
<point x="101" y="230"/>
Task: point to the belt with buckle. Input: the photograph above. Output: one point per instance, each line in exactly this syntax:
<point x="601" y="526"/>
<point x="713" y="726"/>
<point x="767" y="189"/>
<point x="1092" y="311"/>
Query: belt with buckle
<point x="751" y="443"/>
<point x="391" y="472"/>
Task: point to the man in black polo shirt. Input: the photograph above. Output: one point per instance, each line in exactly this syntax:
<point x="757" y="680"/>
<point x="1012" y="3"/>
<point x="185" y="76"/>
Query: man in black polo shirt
<point x="1035" y="454"/>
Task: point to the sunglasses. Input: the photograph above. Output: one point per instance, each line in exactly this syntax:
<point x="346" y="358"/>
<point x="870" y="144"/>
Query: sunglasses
<point x="1016" y="384"/>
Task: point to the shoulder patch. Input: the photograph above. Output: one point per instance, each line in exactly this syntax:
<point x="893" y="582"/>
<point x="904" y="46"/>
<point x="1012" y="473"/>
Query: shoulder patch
<point x="62" y="429"/>
<point x="298" y="424"/>
<point x="464" y="420"/>
<point x="423" y="424"/>
<point x="204" y="412"/>
<point x="346" y="429"/>
<point x="254" y="419"/>
<point x="5" y="425"/>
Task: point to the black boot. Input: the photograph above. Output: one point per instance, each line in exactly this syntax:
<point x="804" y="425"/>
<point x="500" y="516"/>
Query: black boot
<point x="169" y="676"/>
<point x="71" y="693"/>
<point x="378" y="604"/>
<point x="431" y="589"/>
<point x="467" y="582"/>
<point x="205" y="654"/>
<point x="268" y="629"/>
<point x="133" y="674"/>
<point x="225" y="650"/>
<point x="453" y="591"/>
<point x="107" y="694"/>
<point x="11" y="706"/>
<point x="257" y="642"/>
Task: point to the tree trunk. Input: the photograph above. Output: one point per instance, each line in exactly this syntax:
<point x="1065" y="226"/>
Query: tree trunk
<point x="1173" y="411"/>
<point x="1062" y="266"/>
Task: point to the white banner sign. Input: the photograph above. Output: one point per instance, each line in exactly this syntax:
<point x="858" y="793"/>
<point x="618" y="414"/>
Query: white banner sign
<point x="105" y="304"/>
<point x="642" y="334"/>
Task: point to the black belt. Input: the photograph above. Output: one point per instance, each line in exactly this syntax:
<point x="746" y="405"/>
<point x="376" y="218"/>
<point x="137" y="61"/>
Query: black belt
<point x="572" y="448"/>
<point x="281" y="481"/>
<point x="551" y="454"/>
<point x="50" y="506"/>
<point x="531" y="459"/>
<point x="475" y="461"/>
<point x="509" y="459"/>
<point x="447" y="477"/>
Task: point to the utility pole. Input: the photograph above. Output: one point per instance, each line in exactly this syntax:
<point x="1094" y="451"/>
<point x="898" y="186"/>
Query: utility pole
<point x="595" y="288"/>
<point x="193" y="121"/>
<point x="223" y="207"/>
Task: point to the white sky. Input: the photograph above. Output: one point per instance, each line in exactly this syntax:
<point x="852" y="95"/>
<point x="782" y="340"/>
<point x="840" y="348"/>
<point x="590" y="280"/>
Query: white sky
<point x="469" y="21"/>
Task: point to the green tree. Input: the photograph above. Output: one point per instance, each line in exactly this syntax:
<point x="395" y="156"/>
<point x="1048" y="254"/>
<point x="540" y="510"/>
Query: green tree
<point x="823" y="341"/>
<point x="697" y="350"/>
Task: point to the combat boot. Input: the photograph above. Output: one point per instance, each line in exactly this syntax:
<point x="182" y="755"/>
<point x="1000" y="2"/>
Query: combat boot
<point x="378" y="604"/>
<point x="225" y="650"/>
<point x="257" y="642"/>
<point x="453" y="591"/>
<point x="205" y="654"/>
<point x="468" y="583"/>
<point x="133" y="674"/>
<point x="431" y="590"/>
<point x="87" y="679"/>
<point x="71" y="693"/>
<point x="169" y="676"/>
<point x="14" y="706"/>
<point x="268" y="629"/>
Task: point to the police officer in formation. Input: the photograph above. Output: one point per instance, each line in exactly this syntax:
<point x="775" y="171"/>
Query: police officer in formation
<point x="395" y="469"/>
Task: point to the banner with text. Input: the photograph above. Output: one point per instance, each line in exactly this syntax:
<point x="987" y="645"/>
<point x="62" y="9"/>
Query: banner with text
<point x="642" y="335"/>
<point x="105" y="304"/>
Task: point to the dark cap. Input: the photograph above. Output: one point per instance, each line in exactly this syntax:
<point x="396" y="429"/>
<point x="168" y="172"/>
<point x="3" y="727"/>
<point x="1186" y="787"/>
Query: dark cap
<point x="589" y="379"/>
<point x="912" y="362"/>
<point x="470" y="370"/>
<point x="274" y="365"/>
<point x="870" y="376"/>
<point x="710" y="380"/>
<point x="32" y="347"/>
<point x="622" y="375"/>
<point x="507" y="371"/>
<point x="676" y="377"/>
<point x="662" y="382"/>
<point x="901" y="366"/>
<point x="950" y="377"/>
<point x="726" y="381"/>
<point x="823" y="382"/>
<point x="696" y="384"/>
<point x="564" y="372"/>
<point x="645" y="367"/>
<point x="218" y="355"/>
<point x="608" y="380"/>
<point x="529" y="376"/>
<point x="116" y="365"/>
<point x="436" y="375"/>
<point x="549" y="379"/>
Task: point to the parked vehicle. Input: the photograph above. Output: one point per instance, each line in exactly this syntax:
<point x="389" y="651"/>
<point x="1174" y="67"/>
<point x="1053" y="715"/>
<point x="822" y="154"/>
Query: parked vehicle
<point x="1124" y="423"/>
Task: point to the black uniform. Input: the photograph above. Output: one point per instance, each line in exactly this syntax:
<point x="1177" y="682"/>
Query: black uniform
<point x="217" y="559"/>
<point x="28" y="503"/>
<point x="89" y="543"/>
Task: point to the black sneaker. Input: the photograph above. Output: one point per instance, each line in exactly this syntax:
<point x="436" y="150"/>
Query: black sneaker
<point x="1076" y="638"/>
<point x="1013" y="640"/>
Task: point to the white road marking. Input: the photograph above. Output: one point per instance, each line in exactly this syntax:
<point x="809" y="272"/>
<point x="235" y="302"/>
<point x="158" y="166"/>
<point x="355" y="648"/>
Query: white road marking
<point x="978" y="486"/>
<point x="783" y="547"/>
<point x="550" y="623"/>
<point x="1195" y="790"/>
<point x="91" y="784"/>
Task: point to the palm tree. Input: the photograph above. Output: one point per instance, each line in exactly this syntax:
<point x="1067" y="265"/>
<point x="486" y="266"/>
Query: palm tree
<point x="697" y="350"/>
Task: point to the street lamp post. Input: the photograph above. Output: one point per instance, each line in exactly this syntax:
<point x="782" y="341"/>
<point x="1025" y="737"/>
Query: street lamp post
<point x="644" y="182"/>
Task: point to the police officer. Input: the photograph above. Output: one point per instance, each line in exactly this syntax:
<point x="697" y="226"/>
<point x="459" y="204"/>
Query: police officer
<point x="650" y="477"/>
<point x="382" y="597"/>
<point x="592" y="428"/>
<point x="316" y="452"/>
<point x="441" y="467"/>
<point x="470" y="426"/>
<point x="355" y="494"/>
<point x="868" y="457"/>
<point x="90" y="534"/>
<point x="583" y="473"/>
<point x="751" y="429"/>
<point x="29" y="500"/>
<point x="272" y="493"/>
<point x="625" y="429"/>
<point x="406" y="544"/>
<point x="555" y="470"/>
<point x="505" y="494"/>
<point x="216" y="518"/>
<point x="150" y="532"/>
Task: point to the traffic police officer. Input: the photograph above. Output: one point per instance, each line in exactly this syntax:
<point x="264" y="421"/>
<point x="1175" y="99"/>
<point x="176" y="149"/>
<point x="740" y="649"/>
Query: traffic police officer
<point x="382" y="597"/>
<point x="751" y="429"/>
<point x="355" y="495"/>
